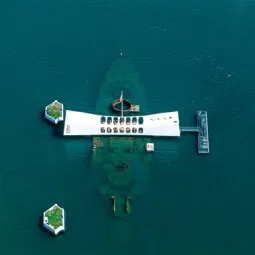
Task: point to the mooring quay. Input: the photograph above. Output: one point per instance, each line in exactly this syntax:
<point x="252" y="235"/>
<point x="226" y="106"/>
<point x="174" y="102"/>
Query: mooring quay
<point x="202" y="132"/>
<point x="157" y="125"/>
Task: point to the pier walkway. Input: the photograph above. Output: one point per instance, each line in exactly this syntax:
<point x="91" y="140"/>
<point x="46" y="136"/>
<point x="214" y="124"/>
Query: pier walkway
<point x="86" y="124"/>
<point x="189" y="129"/>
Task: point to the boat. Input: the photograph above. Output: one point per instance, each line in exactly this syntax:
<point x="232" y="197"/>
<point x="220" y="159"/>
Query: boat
<point x="121" y="163"/>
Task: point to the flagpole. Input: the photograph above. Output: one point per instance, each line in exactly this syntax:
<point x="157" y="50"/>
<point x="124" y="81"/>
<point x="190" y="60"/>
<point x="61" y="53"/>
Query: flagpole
<point x="121" y="103"/>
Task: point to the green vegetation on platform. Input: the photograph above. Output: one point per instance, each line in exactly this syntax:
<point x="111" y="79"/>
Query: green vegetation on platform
<point x="54" y="217"/>
<point x="55" y="110"/>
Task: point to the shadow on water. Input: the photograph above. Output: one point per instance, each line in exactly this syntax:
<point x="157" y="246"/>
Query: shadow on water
<point x="45" y="231"/>
<point x="106" y="204"/>
<point x="41" y="228"/>
<point x="76" y="141"/>
<point x="163" y="139"/>
<point x="57" y="130"/>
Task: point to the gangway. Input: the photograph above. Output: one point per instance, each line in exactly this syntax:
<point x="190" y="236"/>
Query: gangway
<point x="189" y="129"/>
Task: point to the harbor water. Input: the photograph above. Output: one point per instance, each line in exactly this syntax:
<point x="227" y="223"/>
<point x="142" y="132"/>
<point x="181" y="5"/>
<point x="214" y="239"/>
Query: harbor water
<point x="190" y="55"/>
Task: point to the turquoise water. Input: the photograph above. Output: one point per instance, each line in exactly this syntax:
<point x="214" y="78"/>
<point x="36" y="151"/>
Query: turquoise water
<point x="190" y="55"/>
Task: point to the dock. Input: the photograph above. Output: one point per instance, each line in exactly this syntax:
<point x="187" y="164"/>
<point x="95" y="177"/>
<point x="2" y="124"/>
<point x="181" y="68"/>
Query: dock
<point x="203" y="136"/>
<point x="202" y="132"/>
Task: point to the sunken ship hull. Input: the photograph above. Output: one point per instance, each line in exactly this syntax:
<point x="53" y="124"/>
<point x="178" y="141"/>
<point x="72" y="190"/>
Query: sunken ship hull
<point x="121" y="164"/>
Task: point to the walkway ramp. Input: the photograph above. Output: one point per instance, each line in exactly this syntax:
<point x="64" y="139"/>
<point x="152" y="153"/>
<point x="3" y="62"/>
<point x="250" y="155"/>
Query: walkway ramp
<point x="189" y="129"/>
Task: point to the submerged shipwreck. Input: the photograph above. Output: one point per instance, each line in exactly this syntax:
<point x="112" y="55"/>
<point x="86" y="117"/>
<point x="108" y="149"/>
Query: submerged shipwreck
<point x="121" y="162"/>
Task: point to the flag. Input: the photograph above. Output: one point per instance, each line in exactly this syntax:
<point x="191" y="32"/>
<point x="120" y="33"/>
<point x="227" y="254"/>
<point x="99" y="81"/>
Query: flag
<point x="121" y="96"/>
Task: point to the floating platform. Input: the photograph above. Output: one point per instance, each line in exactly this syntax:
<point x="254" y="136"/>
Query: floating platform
<point x="202" y="132"/>
<point x="54" y="112"/>
<point x="54" y="219"/>
<point x="203" y="136"/>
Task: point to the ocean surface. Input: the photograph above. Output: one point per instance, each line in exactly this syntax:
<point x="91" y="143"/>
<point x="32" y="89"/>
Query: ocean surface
<point x="191" y="55"/>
